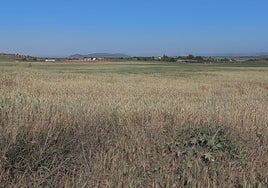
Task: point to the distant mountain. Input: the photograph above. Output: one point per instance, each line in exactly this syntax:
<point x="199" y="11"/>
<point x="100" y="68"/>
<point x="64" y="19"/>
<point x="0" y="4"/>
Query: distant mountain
<point x="263" y="54"/>
<point x="100" y="55"/>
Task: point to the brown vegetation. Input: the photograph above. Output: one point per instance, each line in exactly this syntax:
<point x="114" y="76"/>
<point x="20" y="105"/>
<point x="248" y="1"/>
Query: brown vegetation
<point x="126" y="130"/>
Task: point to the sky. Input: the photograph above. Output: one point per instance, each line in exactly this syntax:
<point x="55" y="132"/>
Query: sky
<point x="135" y="27"/>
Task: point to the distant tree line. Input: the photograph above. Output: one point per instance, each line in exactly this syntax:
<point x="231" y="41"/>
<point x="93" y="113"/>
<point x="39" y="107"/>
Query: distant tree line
<point x="166" y="58"/>
<point x="186" y="59"/>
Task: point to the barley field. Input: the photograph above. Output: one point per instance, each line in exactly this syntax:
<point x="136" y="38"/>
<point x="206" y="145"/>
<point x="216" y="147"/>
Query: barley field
<point x="133" y="124"/>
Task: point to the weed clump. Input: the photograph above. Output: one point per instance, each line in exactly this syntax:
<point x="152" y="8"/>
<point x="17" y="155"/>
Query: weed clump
<point x="211" y="154"/>
<point x="208" y="143"/>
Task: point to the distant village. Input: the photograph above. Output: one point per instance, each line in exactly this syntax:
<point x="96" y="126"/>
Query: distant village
<point x="164" y="58"/>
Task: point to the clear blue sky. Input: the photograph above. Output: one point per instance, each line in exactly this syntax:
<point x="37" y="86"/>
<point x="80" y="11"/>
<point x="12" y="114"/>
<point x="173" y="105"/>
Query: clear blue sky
<point x="134" y="27"/>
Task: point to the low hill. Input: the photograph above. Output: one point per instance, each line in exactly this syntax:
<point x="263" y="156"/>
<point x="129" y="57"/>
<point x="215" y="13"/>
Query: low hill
<point x="16" y="57"/>
<point x="100" y="55"/>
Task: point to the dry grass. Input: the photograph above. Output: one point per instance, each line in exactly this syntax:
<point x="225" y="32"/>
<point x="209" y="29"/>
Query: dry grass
<point x="196" y="129"/>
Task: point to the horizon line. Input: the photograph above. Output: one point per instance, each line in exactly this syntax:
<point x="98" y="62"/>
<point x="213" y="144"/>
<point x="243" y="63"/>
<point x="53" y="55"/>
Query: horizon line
<point x="256" y="54"/>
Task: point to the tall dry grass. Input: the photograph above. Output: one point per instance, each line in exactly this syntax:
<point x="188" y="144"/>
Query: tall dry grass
<point x="122" y="130"/>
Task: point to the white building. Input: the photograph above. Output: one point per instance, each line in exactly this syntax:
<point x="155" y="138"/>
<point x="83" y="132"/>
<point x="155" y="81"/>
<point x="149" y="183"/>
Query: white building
<point x="50" y="60"/>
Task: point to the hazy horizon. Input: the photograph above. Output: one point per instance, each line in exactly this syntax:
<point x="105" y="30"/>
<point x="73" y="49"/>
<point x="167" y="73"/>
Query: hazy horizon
<point x="136" y="28"/>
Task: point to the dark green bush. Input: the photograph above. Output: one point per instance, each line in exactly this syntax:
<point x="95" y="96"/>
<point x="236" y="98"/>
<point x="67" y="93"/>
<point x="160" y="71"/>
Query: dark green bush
<point x="207" y="142"/>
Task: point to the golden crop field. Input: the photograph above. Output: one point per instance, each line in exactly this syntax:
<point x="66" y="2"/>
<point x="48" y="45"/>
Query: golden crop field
<point x="131" y="124"/>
